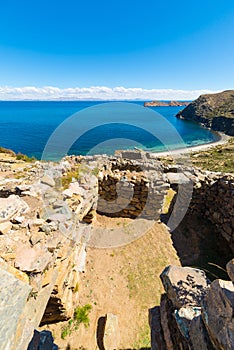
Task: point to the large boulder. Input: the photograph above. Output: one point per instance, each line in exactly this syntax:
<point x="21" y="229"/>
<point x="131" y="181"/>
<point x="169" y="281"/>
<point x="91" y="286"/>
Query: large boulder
<point x="184" y="286"/>
<point x="11" y="207"/>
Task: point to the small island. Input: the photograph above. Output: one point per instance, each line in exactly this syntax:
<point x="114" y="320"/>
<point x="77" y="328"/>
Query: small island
<point x="166" y="103"/>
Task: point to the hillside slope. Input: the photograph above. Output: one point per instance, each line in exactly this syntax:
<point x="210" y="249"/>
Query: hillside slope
<point x="215" y="111"/>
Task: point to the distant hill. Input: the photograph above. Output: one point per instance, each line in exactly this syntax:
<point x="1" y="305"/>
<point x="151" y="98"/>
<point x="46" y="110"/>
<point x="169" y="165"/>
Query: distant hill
<point x="215" y="111"/>
<point x="165" y="104"/>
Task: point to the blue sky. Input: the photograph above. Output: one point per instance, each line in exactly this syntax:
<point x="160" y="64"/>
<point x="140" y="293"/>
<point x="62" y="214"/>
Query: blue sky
<point x="151" y="44"/>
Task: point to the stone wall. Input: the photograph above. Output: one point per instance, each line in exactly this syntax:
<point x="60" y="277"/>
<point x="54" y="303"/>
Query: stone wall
<point x="213" y="199"/>
<point x="131" y="188"/>
<point x="42" y="248"/>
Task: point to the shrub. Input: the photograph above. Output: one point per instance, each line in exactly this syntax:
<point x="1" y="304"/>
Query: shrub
<point x="81" y="315"/>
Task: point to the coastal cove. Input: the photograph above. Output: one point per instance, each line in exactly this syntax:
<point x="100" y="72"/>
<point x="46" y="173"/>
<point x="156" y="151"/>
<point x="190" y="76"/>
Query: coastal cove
<point x="25" y="126"/>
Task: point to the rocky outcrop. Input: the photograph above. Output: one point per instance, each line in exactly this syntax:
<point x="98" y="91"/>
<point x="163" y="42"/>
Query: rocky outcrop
<point x="194" y="313"/>
<point x="166" y="104"/>
<point x="215" y="111"/>
<point x="42" y="248"/>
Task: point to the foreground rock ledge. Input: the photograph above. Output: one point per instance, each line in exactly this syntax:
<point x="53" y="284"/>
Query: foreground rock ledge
<point x="194" y="313"/>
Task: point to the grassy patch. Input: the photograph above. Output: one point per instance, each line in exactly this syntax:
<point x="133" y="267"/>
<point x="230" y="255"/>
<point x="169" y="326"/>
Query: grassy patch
<point x="219" y="158"/>
<point x="143" y="340"/>
<point x="80" y="316"/>
<point x="25" y="158"/>
<point x="68" y="178"/>
<point x="95" y="171"/>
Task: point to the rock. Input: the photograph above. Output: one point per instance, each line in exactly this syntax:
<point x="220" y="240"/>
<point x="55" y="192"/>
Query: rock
<point x="184" y="286"/>
<point x="42" y="341"/>
<point x="218" y="312"/>
<point x="36" y="222"/>
<point x="230" y="269"/>
<point x="157" y="336"/>
<point x="81" y="259"/>
<point x="18" y="220"/>
<point x="37" y="237"/>
<point x="48" y="180"/>
<point x="11" y="207"/>
<point x="15" y="272"/>
<point x="67" y="193"/>
<point x="111" y="336"/>
<point x="198" y="336"/>
<point x="177" y="178"/>
<point x="5" y="227"/>
<point x="34" y="259"/>
<point x="184" y="316"/>
<point x="13" y="297"/>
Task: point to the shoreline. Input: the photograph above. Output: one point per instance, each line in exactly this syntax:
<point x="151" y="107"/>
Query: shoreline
<point x="223" y="140"/>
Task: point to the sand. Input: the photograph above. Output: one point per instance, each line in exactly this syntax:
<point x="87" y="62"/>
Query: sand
<point x="223" y="139"/>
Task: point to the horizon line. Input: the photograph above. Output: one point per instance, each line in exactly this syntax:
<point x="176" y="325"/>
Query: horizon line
<point x="97" y="93"/>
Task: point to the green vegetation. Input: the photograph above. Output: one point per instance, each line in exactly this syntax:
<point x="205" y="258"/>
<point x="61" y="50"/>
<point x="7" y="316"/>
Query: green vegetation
<point x="25" y="158"/>
<point x="144" y="340"/>
<point x="95" y="171"/>
<point x="76" y="289"/>
<point x="7" y="151"/>
<point x="68" y="178"/>
<point x="219" y="158"/>
<point x="65" y="332"/>
<point x="80" y="316"/>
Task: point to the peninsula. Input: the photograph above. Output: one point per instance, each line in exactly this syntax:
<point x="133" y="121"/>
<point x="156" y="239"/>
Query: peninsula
<point x="215" y="111"/>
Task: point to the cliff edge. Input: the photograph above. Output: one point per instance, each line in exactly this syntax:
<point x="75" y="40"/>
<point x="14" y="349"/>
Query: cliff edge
<point x="215" y="111"/>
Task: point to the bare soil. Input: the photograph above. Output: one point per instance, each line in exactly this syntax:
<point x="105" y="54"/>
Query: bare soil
<point x="123" y="281"/>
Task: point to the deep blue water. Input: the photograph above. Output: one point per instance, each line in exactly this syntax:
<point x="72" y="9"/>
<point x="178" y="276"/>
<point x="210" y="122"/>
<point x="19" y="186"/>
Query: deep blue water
<point x="26" y="127"/>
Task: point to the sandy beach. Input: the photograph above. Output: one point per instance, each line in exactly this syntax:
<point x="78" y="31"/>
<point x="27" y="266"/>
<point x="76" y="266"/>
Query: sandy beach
<point x="223" y="139"/>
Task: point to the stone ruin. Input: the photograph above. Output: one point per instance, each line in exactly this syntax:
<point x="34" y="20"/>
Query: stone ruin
<point x="44" y="231"/>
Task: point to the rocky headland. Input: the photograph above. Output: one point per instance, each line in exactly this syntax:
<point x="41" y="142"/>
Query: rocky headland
<point x="47" y="222"/>
<point x="215" y="111"/>
<point x="166" y="104"/>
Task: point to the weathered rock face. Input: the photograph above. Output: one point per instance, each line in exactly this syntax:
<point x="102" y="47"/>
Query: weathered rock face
<point x="215" y="111"/>
<point x="194" y="314"/>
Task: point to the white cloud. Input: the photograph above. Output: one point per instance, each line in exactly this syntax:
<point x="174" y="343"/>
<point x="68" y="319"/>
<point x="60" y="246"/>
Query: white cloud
<point x="96" y="93"/>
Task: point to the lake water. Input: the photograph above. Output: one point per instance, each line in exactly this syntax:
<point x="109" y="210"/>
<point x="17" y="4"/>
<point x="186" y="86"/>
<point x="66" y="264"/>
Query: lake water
<point x="26" y="126"/>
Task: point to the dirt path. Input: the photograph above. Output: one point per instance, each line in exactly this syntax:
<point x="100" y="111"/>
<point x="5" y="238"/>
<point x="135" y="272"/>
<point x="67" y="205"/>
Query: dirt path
<point x="124" y="281"/>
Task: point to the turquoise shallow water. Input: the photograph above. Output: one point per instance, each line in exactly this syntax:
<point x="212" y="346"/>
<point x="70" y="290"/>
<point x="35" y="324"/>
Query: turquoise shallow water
<point x="26" y="127"/>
